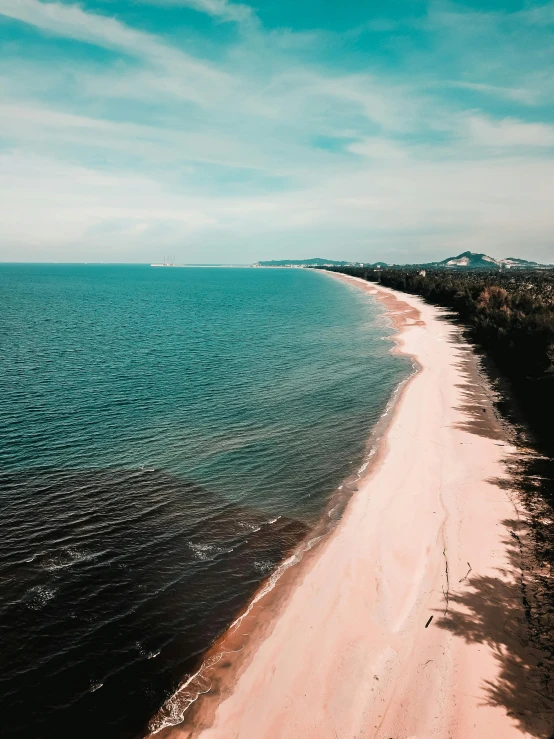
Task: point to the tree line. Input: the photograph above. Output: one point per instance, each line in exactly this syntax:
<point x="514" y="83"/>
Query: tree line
<point x="508" y="314"/>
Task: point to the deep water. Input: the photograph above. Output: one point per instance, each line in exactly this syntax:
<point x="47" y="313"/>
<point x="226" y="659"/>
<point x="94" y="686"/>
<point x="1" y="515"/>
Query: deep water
<point x="166" y="437"/>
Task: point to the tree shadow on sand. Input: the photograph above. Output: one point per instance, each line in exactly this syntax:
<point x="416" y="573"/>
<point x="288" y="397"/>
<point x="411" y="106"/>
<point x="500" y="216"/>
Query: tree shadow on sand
<point x="513" y="612"/>
<point x="479" y="390"/>
<point x="478" y="400"/>
<point x="495" y="611"/>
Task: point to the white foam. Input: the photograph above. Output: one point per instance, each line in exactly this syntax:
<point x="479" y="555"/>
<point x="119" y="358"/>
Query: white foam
<point x="41" y="596"/>
<point x="263" y="566"/>
<point x="249" y="527"/>
<point x="313" y="542"/>
<point x="69" y="557"/>
<point x="205" y="552"/>
<point x="174" y="709"/>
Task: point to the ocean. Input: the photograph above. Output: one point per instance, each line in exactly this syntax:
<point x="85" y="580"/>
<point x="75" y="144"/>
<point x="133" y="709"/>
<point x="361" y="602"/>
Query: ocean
<point x="168" y="437"/>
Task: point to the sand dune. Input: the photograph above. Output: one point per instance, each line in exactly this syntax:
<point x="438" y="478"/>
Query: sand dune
<point x="408" y="620"/>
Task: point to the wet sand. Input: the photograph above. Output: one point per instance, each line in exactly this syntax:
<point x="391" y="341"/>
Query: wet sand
<point x="408" y="620"/>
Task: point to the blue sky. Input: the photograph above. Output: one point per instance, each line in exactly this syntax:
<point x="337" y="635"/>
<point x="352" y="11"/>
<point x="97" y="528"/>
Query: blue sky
<point x="228" y="132"/>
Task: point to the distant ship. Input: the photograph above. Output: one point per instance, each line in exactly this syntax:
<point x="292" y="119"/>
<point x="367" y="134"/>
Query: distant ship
<point x="167" y="262"/>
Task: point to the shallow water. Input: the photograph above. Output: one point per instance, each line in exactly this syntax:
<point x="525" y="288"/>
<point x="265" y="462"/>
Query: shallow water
<point x="168" y="435"/>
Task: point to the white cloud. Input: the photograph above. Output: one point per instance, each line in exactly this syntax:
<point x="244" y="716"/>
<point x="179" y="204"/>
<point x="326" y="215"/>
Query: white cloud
<point x="74" y="22"/>
<point x="527" y="96"/>
<point x="379" y="148"/>
<point x="222" y="9"/>
<point x="495" y="206"/>
<point x="157" y="150"/>
<point x="71" y="21"/>
<point x="38" y="127"/>
<point x="168" y="71"/>
<point x="508" y="132"/>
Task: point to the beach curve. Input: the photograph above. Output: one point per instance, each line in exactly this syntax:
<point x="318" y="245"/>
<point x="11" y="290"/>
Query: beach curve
<point x="407" y="621"/>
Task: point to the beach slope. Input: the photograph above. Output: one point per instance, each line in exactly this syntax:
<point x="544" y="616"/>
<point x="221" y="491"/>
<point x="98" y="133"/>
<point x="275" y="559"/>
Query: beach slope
<point x="408" y="622"/>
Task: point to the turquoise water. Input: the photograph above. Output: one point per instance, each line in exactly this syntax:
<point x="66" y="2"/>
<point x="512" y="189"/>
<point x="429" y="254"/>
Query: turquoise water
<point x="167" y="435"/>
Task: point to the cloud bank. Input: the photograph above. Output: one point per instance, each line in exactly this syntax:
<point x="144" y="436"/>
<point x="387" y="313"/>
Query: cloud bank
<point x="227" y="134"/>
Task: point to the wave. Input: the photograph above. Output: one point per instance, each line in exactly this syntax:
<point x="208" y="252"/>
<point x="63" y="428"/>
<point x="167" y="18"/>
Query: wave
<point x="39" y="596"/>
<point x="205" y="552"/>
<point x="68" y="558"/>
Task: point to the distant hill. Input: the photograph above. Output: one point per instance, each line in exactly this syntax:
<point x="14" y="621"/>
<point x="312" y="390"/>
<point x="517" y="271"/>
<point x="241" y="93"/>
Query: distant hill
<point x="470" y="260"/>
<point x="514" y="262"/>
<point x="466" y="260"/>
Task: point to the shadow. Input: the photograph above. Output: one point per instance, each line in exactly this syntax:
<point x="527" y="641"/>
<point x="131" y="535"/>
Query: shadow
<point x="495" y="611"/>
<point x="519" y="409"/>
<point x="512" y="612"/>
<point x="114" y="583"/>
<point x="480" y="396"/>
<point x="479" y="399"/>
<point x="531" y="478"/>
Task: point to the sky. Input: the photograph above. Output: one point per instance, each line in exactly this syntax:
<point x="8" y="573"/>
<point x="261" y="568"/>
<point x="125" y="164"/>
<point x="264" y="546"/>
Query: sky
<point x="221" y="132"/>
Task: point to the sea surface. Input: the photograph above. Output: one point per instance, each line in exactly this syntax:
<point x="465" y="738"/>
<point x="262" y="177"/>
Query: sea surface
<point x="167" y="437"/>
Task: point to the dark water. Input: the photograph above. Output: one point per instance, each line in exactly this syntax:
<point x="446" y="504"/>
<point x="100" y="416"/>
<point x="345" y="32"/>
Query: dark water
<point x="167" y="436"/>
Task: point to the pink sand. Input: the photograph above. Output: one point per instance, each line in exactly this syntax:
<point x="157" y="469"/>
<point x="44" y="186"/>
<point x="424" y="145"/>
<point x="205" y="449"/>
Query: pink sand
<point x="349" y="655"/>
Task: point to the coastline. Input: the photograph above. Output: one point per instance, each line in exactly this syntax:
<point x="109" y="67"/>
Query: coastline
<point x="194" y="702"/>
<point x="374" y="633"/>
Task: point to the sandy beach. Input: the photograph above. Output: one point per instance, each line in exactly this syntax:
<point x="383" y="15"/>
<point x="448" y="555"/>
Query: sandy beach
<point x="408" y="619"/>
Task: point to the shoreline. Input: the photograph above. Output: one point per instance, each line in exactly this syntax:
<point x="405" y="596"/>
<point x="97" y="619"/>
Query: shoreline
<point x="346" y="645"/>
<point x="194" y="701"/>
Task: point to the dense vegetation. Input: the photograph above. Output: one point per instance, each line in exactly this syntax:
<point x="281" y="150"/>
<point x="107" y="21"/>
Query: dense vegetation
<point x="509" y="314"/>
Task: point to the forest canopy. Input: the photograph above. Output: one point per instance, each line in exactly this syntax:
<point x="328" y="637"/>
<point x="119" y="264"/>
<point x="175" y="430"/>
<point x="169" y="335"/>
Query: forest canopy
<point x="509" y="314"/>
